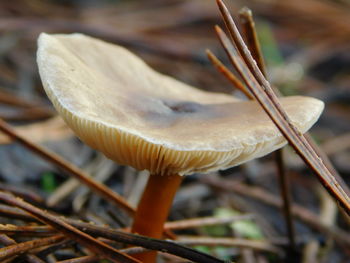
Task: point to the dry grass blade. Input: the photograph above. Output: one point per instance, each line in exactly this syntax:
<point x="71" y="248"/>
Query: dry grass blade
<point x="71" y="169"/>
<point x="203" y="221"/>
<point x="93" y="244"/>
<point x="263" y="93"/>
<point x="262" y="245"/>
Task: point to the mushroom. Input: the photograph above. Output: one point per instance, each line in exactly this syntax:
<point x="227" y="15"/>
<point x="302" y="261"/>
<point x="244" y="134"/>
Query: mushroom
<point x="136" y="116"/>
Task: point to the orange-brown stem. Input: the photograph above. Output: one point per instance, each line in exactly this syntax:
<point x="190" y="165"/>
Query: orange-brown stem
<point x="153" y="209"/>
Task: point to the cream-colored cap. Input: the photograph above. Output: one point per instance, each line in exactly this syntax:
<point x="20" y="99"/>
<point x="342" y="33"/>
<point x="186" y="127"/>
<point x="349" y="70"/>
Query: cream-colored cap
<point x="136" y="116"/>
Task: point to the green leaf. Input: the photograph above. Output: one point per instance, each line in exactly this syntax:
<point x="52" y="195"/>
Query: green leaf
<point x="203" y="249"/>
<point x="246" y="228"/>
<point x="269" y="45"/>
<point x="48" y="182"/>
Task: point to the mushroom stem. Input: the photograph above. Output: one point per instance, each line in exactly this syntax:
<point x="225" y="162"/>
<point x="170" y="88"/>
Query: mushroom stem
<point x="153" y="209"/>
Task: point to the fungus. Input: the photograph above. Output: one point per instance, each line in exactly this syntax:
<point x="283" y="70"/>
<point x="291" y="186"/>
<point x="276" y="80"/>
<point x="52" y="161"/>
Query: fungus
<point x="136" y="116"/>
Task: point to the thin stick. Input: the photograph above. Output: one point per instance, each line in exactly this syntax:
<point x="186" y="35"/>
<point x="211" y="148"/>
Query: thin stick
<point x="118" y="236"/>
<point x="251" y="37"/>
<point x="93" y="244"/>
<point x="249" y="31"/>
<point x="228" y="74"/>
<point x="170" y="247"/>
<point x="173" y="225"/>
<point x="46" y="251"/>
<point x="29" y="230"/>
<point x="18" y="249"/>
<point x="7" y="241"/>
<point x="99" y="188"/>
<point x="27" y="194"/>
<point x="14" y="212"/>
<point x="286" y="198"/>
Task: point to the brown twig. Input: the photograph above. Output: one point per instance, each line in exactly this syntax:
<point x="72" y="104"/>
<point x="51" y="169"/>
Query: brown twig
<point x="26" y="194"/>
<point x="27" y="114"/>
<point x="20" y="248"/>
<point x="42" y="131"/>
<point x="93" y="244"/>
<point x="99" y="188"/>
<point x="46" y="251"/>
<point x="118" y="236"/>
<point x="14" y="212"/>
<point x="170" y="247"/>
<point x="228" y="74"/>
<point x="286" y="197"/>
<point x="7" y="241"/>
<point x="29" y="230"/>
<point x="251" y="37"/>
<point x="263" y="93"/>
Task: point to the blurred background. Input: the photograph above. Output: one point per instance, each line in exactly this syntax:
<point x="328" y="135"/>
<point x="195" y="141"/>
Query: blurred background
<point x="306" y="45"/>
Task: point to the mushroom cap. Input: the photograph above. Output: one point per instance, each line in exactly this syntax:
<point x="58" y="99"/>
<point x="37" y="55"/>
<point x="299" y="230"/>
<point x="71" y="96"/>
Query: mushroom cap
<point x="136" y="116"/>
